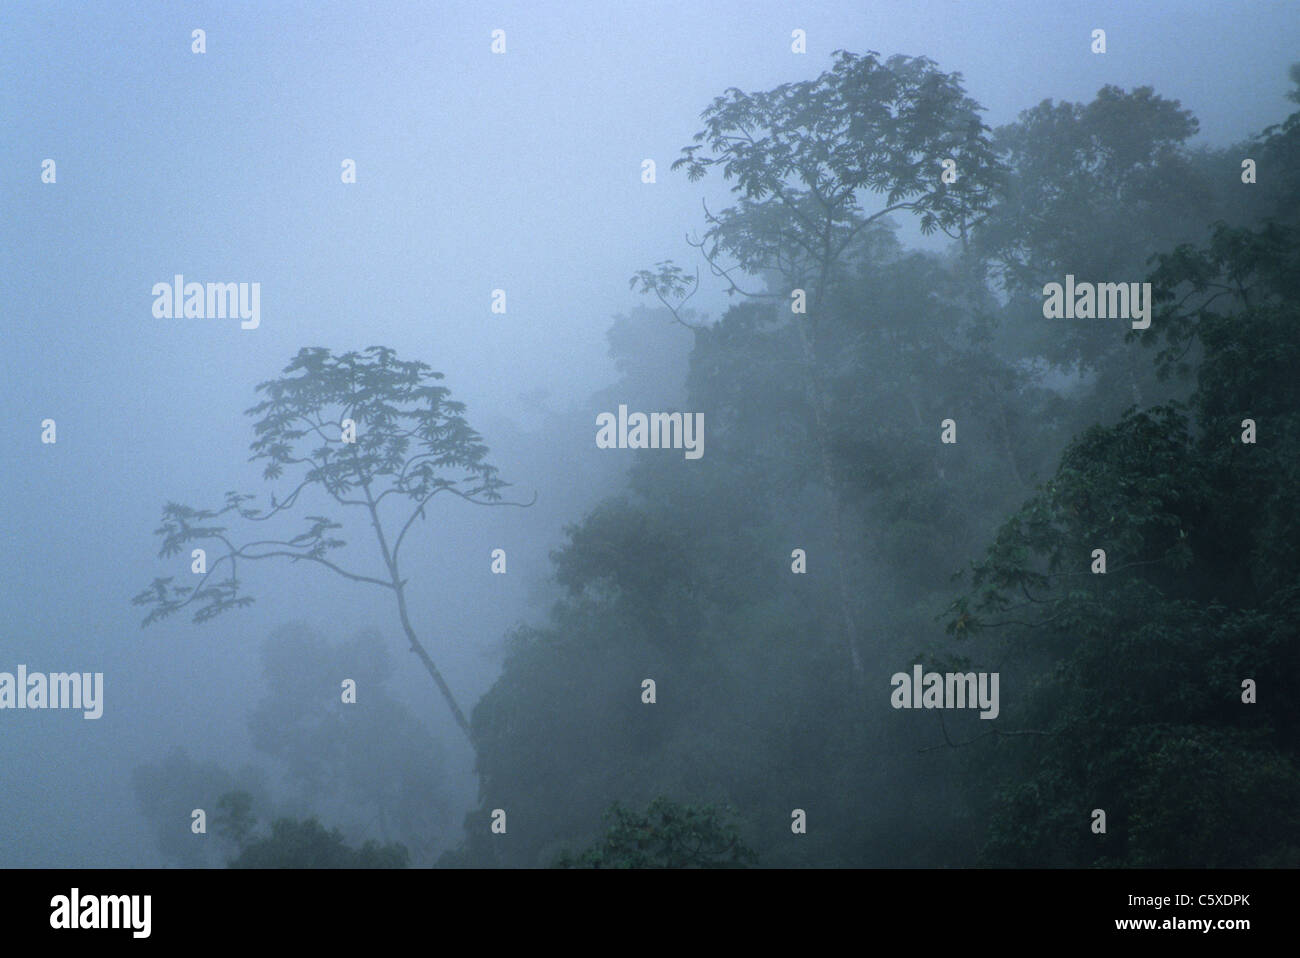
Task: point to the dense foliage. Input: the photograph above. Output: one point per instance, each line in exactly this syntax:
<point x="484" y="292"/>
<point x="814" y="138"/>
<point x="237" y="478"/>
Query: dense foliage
<point x="907" y="464"/>
<point x="1124" y="689"/>
<point x="666" y="835"/>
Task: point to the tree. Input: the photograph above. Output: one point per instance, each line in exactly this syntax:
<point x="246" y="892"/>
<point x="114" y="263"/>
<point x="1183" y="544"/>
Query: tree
<point x="666" y="835"/>
<point x="168" y="791"/>
<point x="1094" y="190"/>
<point x="372" y="759"/>
<point x="1276" y="195"/>
<point x="1136" y="675"/>
<point x="294" y="843"/>
<point x="804" y="156"/>
<point x="235" y="820"/>
<point x="382" y="428"/>
<point x="763" y="709"/>
<point x="897" y="339"/>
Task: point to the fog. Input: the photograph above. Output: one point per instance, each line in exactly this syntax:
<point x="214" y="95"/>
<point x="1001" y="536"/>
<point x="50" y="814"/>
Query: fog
<point x="523" y="172"/>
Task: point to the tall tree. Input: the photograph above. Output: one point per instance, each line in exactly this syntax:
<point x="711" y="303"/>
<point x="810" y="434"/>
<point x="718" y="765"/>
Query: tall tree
<point x="361" y="428"/>
<point x="806" y="158"/>
<point x="1094" y="190"/>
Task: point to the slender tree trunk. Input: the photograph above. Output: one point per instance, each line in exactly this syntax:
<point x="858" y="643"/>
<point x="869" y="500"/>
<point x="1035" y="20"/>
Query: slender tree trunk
<point x="832" y="484"/>
<point x="432" y="669"/>
<point x="399" y="588"/>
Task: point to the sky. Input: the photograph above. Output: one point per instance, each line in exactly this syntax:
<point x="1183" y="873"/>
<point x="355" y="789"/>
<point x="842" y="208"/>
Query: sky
<point x="475" y="171"/>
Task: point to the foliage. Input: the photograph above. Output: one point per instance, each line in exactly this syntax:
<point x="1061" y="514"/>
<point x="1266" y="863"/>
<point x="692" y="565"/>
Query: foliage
<point x="396" y="406"/>
<point x="803" y="154"/>
<point x="299" y="844"/>
<point x="1138" y="673"/>
<point x="167" y="791"/>
<point x="411" y="442"/>
<point x="372" y="767"/>
<point x="1123" y="690"/>
<point x="666" y="835"/>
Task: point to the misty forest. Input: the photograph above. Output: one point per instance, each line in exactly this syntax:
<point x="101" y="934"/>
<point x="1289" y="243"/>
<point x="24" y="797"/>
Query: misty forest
<point x="938" y="508"/>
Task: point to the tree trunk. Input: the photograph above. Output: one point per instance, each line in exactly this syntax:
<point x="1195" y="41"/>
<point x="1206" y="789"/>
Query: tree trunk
<point x="840" y="559"/>
<point x="432" y="669"/>
<point x="400" y="589"/>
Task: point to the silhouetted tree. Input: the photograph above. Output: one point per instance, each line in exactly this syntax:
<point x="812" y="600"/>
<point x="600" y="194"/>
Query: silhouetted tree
<point x="805" y="157"/>
<point x="411" y="443"/>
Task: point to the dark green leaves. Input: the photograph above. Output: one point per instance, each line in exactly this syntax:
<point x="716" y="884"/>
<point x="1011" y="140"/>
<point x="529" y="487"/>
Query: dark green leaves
<point x="666" y="835"/>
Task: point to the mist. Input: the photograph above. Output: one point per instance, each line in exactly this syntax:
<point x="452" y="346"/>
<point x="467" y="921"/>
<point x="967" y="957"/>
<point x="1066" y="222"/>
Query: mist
<point x="401" y="176"/>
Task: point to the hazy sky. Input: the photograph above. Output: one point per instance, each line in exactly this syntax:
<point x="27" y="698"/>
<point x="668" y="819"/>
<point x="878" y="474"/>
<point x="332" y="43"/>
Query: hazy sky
<point x="475" y="171"/>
